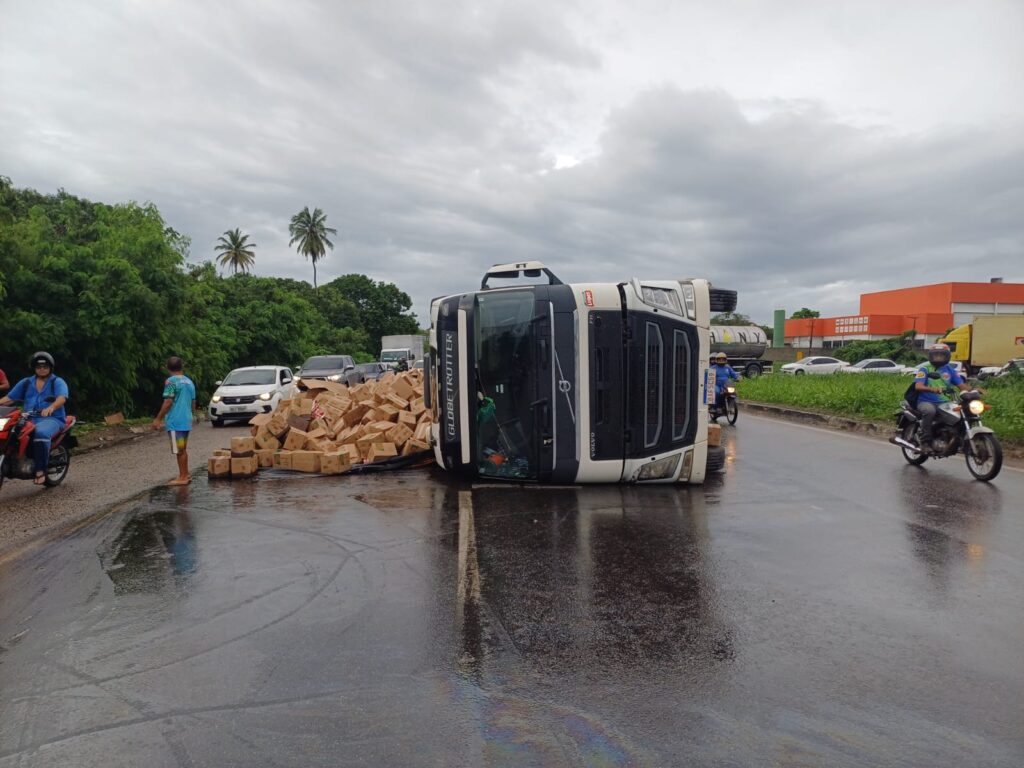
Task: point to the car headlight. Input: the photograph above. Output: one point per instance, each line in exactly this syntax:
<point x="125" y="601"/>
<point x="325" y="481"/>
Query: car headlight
<point x="297" y="379"/>
<point x="4" y="423"/>
<point x="335" y="377"/>
<point x="215" y="399"/>
<point x="977" y="407"/>
<point x="266" y="395"/>
<point x="660" y="469"/>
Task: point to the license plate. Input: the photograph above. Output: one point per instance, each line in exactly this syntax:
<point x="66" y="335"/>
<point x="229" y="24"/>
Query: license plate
<point x="236" y="408"/>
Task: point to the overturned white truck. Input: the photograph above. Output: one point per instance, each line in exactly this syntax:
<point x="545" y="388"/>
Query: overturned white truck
<point x="581" y="383"/>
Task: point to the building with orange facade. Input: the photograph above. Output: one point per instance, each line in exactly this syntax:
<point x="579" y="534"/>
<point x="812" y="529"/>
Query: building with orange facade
<point x="931" y="310"/>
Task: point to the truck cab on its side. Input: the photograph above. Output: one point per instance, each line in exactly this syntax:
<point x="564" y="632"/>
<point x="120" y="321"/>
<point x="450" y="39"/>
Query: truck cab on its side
<point x="582" y="383"/>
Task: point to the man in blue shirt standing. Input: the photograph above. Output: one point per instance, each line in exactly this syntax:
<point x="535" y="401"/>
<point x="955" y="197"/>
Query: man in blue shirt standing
<point x="179" y="395"/>
<point x="43" y="397"/>
<point x="929" y="396"/>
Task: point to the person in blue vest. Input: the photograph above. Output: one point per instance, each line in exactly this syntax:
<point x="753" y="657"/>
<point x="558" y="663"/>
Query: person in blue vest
<point x="930" y="391"/>
<point x="42" y="396"/>
<point x="723" y="373"/>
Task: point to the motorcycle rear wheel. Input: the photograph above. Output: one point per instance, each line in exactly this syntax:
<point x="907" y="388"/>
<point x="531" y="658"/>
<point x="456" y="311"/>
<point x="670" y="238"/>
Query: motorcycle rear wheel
<point x="984" y="456"/>
<point x="60" y="462"/>
<point x="732" y="411"/>
<point x="917" y="458"/>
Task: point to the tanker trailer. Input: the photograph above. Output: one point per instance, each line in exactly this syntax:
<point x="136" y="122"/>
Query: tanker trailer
<point x="744" y="345"/>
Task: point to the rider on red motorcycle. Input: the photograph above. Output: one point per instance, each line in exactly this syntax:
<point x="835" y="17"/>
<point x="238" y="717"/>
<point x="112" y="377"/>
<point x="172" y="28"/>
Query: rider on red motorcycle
<point x="43" y="395"/>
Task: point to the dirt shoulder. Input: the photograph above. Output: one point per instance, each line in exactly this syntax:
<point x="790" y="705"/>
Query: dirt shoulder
<point x="128" y="464"/>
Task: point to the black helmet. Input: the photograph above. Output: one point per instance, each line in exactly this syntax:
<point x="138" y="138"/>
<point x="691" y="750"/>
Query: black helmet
<point x="43" y="357"/>
<point x="938" y="355"/>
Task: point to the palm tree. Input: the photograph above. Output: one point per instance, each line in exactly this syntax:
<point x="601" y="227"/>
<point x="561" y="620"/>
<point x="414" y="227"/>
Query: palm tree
<point x="236" y="251"/>
<point x="310" y="231"/>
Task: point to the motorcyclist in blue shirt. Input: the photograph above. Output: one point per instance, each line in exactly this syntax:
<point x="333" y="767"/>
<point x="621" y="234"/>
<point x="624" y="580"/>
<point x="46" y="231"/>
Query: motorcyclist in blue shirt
<point x="931" y="395"/>
<point x="42" y="396"/>
<point x="723" y="373"/>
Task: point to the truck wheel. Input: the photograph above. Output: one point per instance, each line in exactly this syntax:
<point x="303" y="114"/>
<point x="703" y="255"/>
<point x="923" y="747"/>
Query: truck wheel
<point x="716" y="459"/>
<point x="752" y="371"/>
<point x="722" y="300"/>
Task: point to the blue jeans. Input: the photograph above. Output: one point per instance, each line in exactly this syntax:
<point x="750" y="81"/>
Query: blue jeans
<point x="46" y="428"/>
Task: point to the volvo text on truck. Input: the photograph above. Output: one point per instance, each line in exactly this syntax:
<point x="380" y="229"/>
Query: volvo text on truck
<point x="581" y="383"/>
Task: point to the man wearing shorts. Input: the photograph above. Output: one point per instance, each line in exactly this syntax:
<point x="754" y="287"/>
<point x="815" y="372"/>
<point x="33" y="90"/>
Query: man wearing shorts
<point x="179" y="395"/>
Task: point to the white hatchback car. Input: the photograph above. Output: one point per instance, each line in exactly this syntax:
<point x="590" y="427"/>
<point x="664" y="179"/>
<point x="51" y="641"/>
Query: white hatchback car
<point x="246" y="392"/>
<point x="876" y="365"/>
<point x="814" y="365"/>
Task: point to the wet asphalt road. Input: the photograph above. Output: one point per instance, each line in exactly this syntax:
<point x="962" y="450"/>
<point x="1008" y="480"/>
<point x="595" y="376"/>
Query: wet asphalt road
<point x="822" y="604"/>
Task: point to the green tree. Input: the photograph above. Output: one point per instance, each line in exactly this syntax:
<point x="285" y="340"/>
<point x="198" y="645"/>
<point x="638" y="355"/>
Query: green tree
<point x="804" y="313"/>
<point x="235" y="251"/>
<point x="382" y="308"/>
<point x="310" y="232"/>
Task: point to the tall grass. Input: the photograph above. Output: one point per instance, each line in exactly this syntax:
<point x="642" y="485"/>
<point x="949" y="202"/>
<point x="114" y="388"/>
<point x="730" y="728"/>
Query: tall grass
<point x="877" y="396"/>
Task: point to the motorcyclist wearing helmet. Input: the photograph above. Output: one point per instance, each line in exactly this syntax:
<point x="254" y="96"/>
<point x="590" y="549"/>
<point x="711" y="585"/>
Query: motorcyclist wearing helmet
<point x="723" y="373"/>
<point x="43" y="396"/>
<point x="930" y="394"/>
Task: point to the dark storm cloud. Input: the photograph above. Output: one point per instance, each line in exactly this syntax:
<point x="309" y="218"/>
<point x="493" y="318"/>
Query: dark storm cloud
<point x="416" y="130"/>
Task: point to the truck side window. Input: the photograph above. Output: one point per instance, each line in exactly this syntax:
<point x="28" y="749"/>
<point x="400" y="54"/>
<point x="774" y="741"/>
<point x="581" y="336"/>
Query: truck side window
<point x="653" y="385"/>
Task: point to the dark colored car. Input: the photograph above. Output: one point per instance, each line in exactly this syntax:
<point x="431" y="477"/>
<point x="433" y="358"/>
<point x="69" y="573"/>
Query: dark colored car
<point x="340" y="368"/>
<point x="372" y="371"/>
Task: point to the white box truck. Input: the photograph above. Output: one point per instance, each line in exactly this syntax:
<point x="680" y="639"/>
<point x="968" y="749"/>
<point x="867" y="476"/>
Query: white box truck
<point x="406" y="347"/>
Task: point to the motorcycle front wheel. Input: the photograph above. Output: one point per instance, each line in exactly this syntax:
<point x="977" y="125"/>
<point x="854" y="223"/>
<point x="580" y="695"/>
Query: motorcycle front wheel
<point x="732" y="410"/>
<point x="916" y="458"/>
<point x="984" y="456"/>
<point x="60" y="461"/>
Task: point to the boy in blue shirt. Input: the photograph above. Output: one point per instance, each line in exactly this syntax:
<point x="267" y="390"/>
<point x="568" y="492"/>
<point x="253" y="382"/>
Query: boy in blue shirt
<point x="179" y="395"/>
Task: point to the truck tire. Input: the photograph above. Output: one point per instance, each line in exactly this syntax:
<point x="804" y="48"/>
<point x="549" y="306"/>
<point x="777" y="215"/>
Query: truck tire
<point x="752" y="371"/>
<point x="722" y="300"/>
<point x="716" y="459"/>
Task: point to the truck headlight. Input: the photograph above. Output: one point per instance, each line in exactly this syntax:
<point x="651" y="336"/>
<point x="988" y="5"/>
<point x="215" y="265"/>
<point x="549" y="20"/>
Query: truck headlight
<point x="662" y="298"/>
<point x="977" y="407"/>
<point x="335" y="377"/>
<point x="266" y="395"/>
<point x="215" y="399"/>
<point x="660" y="469"/>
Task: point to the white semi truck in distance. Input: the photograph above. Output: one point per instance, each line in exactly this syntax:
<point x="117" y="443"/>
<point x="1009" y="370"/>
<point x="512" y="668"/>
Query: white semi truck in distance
<point x="581" y="383"/>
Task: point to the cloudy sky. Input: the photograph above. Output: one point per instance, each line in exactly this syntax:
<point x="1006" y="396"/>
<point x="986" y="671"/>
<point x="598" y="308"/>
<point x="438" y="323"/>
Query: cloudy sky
<point x="801" y="152"/>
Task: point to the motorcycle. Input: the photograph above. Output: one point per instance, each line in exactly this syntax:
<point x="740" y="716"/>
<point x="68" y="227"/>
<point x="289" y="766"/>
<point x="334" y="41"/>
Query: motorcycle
<point x="15" y="442"/>
<point x="957" y="428"/>
<point x="730" y="405"/>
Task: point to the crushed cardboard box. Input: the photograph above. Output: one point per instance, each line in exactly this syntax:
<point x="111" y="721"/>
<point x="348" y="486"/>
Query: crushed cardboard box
<point x="330" y="428"/>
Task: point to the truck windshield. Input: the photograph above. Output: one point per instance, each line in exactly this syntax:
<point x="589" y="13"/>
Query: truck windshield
<point x="394" y="355"/>
<point x="506" y="380"/>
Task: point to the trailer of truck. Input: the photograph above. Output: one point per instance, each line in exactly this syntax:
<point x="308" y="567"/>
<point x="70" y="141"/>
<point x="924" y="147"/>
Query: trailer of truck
<point x="582" y="383"/>
<point x="743" y="345"/>
<point x="989" y="340"/>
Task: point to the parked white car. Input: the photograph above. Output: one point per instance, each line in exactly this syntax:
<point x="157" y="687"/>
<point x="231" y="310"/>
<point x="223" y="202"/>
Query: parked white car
<point x="1003" y="370"/>
<point x="876" y="365"/>
<point x="815" y="365"/>
<point x="246" y="392"/>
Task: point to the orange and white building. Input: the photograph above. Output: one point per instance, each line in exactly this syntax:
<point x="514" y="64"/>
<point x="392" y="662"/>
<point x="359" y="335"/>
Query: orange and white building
<point x="931" y="310"/>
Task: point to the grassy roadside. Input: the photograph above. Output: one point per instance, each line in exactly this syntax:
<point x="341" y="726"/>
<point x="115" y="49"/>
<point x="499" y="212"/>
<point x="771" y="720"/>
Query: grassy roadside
<point x="83" y="428"/>
<point x="875" y="397"/>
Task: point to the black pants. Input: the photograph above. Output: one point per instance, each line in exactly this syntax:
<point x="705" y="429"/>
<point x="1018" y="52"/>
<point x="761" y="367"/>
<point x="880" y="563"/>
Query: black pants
<point x="928" y="413"/>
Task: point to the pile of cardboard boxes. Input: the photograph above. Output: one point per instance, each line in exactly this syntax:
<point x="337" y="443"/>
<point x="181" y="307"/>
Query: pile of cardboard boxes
<point x="329" y="428"/>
